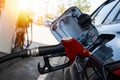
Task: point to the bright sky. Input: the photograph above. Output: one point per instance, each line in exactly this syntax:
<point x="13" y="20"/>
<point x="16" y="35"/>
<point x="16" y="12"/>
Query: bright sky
<point x="95" y="4"/>
<point x="51" y="6"/>
<point x="43" y="5"/>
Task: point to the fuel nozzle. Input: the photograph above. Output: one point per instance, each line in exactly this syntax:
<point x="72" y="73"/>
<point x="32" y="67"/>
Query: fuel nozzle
<point x="72" y="48"/>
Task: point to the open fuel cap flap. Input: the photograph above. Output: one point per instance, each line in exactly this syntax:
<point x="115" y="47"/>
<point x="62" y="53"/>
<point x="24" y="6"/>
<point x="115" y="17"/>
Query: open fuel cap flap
<point x="73" y="23"/>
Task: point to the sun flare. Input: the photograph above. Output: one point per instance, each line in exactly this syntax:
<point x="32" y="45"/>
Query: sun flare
<point x="24" y="4"/>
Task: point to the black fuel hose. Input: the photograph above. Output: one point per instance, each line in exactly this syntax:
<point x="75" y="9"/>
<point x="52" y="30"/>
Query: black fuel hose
<point x="38" y="51"/>
<point x="13" y="55"/>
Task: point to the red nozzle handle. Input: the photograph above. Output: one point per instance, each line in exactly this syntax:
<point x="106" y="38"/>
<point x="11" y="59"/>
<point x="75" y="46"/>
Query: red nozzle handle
<point x="73" y="48"/>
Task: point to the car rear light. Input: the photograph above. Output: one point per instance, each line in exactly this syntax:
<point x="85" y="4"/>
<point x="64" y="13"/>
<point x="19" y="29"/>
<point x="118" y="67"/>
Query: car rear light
<point x="117" y="72"/>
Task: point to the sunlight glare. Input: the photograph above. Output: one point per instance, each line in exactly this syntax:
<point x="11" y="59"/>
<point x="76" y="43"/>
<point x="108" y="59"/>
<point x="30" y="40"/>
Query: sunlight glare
<point x="24" y="4"/>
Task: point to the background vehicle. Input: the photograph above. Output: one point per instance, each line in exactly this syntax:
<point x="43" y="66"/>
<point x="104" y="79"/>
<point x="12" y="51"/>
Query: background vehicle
<point x="48" y="22"/>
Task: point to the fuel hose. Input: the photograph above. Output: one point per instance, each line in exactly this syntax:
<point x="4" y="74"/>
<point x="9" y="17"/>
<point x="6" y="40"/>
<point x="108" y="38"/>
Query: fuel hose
<point x="38" y="51"/>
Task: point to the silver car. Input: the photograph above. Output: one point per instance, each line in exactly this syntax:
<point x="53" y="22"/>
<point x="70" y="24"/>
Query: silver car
<point x="104" y="43"/>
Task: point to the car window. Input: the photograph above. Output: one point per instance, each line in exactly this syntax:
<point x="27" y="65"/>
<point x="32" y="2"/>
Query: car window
<point x="103" y="13"/>
<point x="118" y="17"/>
<point x="113" y="14"/>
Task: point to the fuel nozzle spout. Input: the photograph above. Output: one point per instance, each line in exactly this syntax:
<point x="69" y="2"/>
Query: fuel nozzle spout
<point x="73" y="48"/>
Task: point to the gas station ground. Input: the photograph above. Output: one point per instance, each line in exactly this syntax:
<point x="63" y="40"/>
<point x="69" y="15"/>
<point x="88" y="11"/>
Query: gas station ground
<point x="26" y="68"/>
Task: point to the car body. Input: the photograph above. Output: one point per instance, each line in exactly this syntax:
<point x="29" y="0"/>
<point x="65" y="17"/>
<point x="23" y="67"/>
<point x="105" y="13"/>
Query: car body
<point x="106" y="19"/>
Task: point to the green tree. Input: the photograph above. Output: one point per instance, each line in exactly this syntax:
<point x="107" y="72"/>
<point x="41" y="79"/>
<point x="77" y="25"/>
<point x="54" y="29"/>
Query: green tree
<point x="62" y="8"/>
<point x="83" y="5"/>
<point x="49" y="16"/>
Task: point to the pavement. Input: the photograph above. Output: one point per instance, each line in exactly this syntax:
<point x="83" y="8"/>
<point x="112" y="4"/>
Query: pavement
<point x="26" y="68"/>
